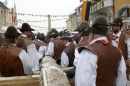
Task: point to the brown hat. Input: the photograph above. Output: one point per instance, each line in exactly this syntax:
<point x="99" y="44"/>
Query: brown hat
<point x="11" y="32"/>
<point x="26" y="27"/>
<point x="83" y="25"/>
<point x="117" y="21"/>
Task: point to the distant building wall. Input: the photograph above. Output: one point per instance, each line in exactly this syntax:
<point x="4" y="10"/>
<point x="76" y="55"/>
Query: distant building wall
<point x="68" y="24"/>
<point x="118" y="5"/>
<point x="3" y="9"/>
<point x="74" y="22"/>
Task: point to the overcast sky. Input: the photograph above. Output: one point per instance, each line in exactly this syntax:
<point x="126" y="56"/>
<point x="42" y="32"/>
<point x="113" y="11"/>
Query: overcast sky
<point x="44" y="7"/>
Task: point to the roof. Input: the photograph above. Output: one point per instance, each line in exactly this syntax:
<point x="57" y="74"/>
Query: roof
<point x="3" y="6"/>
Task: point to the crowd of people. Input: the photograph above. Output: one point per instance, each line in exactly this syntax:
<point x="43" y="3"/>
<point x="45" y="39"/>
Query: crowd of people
<point x="99" y="55"/>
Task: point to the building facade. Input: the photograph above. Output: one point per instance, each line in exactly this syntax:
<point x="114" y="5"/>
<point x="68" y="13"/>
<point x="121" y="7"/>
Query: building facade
<point x="3" y="9"/>
<point x="68" y="24"/>
<point x="71" y="23"/>
<point x="8" y="17"/>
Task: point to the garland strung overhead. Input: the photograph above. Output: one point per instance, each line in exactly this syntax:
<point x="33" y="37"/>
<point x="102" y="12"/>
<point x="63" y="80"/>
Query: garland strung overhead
<point x="44" y="28"/>
<point x="35" y="15"/>
<point x="41" y="20"/>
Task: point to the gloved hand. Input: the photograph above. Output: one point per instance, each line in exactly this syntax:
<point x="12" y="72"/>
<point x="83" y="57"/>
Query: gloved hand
<point x="71" y="73"/>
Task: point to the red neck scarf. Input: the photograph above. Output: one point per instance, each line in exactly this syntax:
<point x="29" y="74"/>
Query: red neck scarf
<point x="105" y="42"/>
<point x="70" y="44"/>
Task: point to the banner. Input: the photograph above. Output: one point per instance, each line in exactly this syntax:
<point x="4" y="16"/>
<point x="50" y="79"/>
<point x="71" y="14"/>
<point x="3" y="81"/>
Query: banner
<point x="79" y="15"/>
<point x="99" y="5"/>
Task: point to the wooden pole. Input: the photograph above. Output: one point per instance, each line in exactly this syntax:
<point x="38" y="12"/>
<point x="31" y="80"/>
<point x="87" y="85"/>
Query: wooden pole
<point x="49" y="23"/>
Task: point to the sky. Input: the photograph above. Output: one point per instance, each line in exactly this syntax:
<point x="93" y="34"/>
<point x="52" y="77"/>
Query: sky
<point x="44" y="7"/>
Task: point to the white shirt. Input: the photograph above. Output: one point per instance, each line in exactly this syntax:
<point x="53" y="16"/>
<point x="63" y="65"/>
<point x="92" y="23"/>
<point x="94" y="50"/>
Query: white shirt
<point x="74" y="42"/>
<point x="50" y="49"/>
<point x="23" y="35"/>
<point x="42" y="50"/>
<point x="77" y="54"/>
<point x="116" y="41"/>
<point x="76" y="57"/>
<point x="127" y="41"/>
<point x="27" y="65"/>
<point x="64" y="58"/>
<point x="86" y="69"/>
<point x="34" y="55"/>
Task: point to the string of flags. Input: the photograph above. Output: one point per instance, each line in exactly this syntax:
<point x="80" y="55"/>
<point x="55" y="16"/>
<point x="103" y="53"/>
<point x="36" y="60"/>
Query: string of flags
<point x="41" y="28"/>
<point x="46" y="28"/>
<point x="42" y="15"/>
<point x="35" y="15"/>
<point x="41" y="20"/>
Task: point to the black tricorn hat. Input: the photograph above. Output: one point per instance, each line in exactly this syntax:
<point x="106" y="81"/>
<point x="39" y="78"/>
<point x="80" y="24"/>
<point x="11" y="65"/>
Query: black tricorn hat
<point x="26" y="27"/>
<point x="99" y="25"/>
<point x="117" y="21"/>
<point x="11" y="32"/>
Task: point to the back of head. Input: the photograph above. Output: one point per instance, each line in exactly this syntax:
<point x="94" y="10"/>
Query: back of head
<point x="54" y="33"/>
<point x="67" y="34"/>
<point x="99" y="26"/>
<point x="32" y="36"/>
<point x="60" y="33"/>
<point x="70" y="39"/>
<point x="11" y="34"/>
<point x="41" y="37"/>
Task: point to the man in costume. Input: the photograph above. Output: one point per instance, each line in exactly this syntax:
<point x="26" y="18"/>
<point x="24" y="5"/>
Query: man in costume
<point x="67" y="56"/>
<point x="101" y="64"/>
<point x="83" y="31"/>
<point x="55" y="46"/>
<point x="14" y="61"/>
<point x="121" y="39"/>
<point x="83" y="35"/>
<point x="30" y="46"/>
